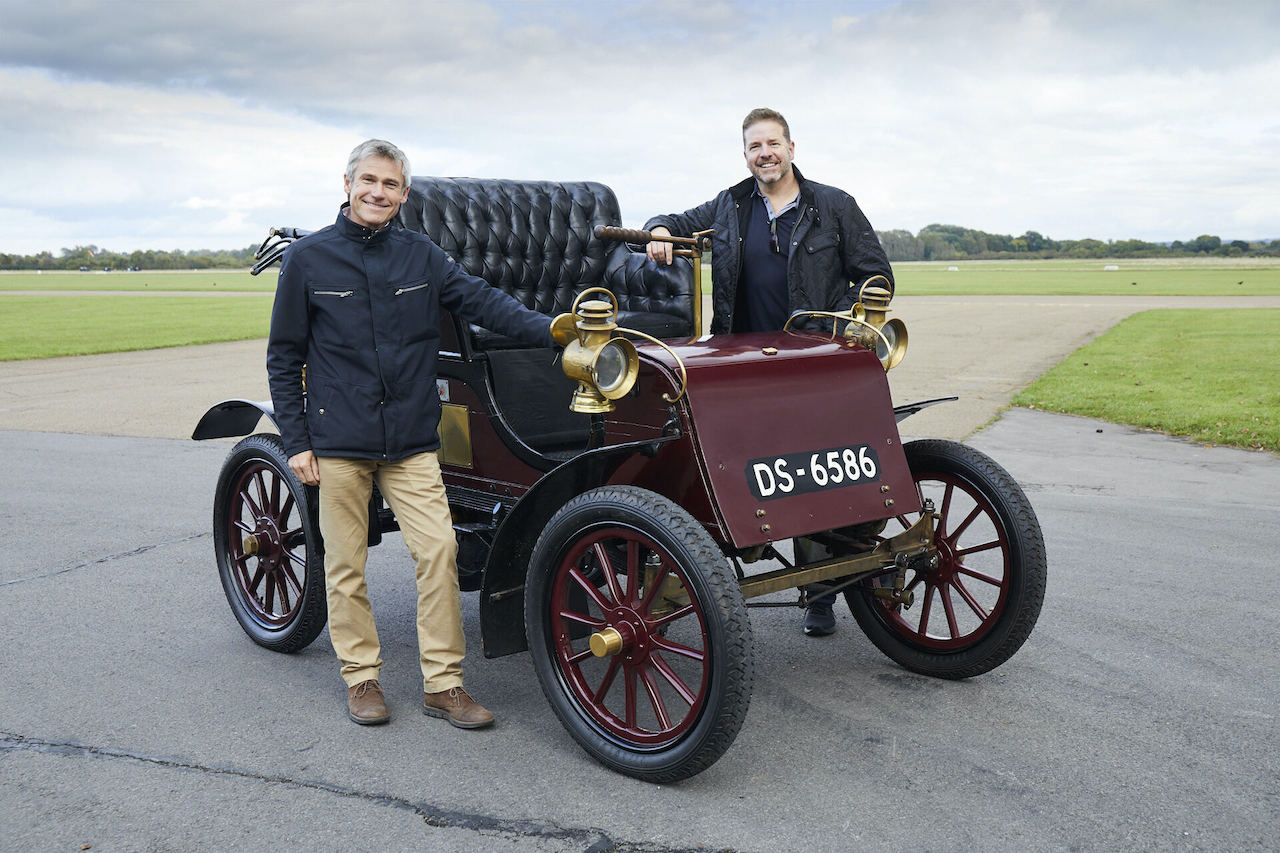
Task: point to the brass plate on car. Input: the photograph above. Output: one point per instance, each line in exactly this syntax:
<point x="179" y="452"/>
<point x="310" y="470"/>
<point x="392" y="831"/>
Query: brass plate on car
<point x="455" y="435"/>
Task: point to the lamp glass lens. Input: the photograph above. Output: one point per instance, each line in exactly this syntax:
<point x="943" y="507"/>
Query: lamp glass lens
<point x="610" y="366"/>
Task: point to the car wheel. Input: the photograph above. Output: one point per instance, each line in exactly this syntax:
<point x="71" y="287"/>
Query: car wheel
<point x="977" y="606"/>
<point x="268" y="547"/>
<point x="633" y="576"/>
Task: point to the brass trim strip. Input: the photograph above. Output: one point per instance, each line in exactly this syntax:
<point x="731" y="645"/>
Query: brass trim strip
<point x="917" y="539"/>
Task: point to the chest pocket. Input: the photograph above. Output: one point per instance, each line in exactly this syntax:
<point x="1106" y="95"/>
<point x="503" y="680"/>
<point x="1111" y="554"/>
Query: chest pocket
<point x="339" y="314"/>
<point x="413" y="313"/>
<point x="821" y="241"/>
<point x="411" y="286"/>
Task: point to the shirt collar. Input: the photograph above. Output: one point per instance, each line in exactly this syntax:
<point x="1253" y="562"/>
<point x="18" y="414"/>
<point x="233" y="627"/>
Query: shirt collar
<point x="768" y="205"/>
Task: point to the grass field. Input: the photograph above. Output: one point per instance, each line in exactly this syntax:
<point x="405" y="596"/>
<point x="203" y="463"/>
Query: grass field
<point x="1209" y="375"/>
<point x="212" y="281"/>
<point x="1206" y="374"/>
<point x="55" y="325"/>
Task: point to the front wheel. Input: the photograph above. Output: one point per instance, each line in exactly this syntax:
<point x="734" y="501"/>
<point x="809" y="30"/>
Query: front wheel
<point x="639" y="634"/>
<point x="268" y="547"/>
<point x="978" y="604"/>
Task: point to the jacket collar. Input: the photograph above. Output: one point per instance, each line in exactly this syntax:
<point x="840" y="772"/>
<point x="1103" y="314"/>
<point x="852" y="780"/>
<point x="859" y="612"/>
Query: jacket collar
<point x="744" y="189"/>
<point x="359" y="233"/>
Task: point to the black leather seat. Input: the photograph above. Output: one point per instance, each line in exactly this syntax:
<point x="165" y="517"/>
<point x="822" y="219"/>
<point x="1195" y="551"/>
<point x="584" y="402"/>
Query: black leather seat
<point x="534" y="240"/>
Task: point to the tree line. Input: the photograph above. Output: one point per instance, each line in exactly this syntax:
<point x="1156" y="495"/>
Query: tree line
<point x="932" y="243"/>
<point x="955" y="242"/>
<point x="94" y="258"/>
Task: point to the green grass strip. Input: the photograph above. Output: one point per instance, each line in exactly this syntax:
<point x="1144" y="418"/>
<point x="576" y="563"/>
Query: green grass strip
<point x="938" y="280"/>
<point x="205" y="281"/>
<point x="1209" y="375"/>
<point x="46" y="326"/>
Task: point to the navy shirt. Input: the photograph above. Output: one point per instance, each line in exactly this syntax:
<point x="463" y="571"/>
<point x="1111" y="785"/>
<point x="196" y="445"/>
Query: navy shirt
<point x="763" y="299"/>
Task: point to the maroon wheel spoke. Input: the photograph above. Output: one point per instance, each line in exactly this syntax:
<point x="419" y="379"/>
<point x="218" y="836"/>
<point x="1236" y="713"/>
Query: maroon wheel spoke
<point x="582" y="619"/>
<point x="945" y="594"/>
<point x="965" y="570"/>
<point x="678" y="613"/>
<point x="629" y="682"/>
<point x="944" y="511"/>
<point x="969" y="599"/>
<point x="658" y="577"/>
<point x="579" y="657"/>
<point x="287" y="508"/>
<point x="677" y="684"/>
<point x="242" y="526"/>
<point x="655" y="698"/>
<point x="975" y="549"/>
<point x="288" y="577"/>
<point x="264" y="497"/>
<point x="925" y="609"/>
<point x="610" y="578"/>
<point x="255" y="582"/>
<point x="275" y="498"/>
<point x="677" y="649"/>
<point x="964" y="525"/>
<point x="633" y="573"/>
<point x="589" y="588"/>
<point x="605" y="683"/>
<point x="248" y="500"/>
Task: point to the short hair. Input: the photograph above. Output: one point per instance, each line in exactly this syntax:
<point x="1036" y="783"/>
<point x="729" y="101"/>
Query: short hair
<point x="377" y="148"/>
<point x="760" y="114"/>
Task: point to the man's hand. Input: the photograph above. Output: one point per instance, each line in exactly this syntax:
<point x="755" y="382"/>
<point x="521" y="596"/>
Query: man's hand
<point x="657" y="251"/>
<point x="305" y="466"/>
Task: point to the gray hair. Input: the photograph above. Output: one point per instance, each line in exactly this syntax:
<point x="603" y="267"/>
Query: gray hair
<point x="377" y="148"/>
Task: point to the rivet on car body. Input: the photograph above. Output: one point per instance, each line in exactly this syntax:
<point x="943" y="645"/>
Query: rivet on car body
<point x="884" y="488"/>
<point x="764" y="528"/>
<point x="888" y="502"/>
<point x="759" y="513"/>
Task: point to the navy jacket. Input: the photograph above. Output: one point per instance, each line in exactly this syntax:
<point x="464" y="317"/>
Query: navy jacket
<point x="834" y="248"/>
<point x="361" y="309"/>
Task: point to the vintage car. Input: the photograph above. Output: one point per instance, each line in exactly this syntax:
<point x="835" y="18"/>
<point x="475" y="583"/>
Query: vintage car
<point x="620" y="503"/>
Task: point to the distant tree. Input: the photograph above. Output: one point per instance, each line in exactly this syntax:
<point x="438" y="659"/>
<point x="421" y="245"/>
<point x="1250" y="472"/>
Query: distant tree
<point x="1205" y="243"/>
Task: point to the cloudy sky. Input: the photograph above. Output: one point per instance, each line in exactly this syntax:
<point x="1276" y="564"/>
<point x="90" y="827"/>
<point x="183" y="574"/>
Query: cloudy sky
<point x="166" y="124"/>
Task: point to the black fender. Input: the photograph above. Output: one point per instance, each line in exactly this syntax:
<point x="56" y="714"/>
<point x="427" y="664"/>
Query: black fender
<point x="232" y="418"/>
<point x="502" y="590"/>
<point x="906" y="410"/>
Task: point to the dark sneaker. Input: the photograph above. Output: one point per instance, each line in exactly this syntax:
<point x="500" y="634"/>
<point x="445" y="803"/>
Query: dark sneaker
<point x="819" y="619"/>
<point x="365" y="704"/>
<point x="457" y="706"/>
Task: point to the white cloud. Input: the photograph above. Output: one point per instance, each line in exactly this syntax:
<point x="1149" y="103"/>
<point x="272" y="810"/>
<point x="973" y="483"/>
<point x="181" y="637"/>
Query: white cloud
<point x="201" y="124"/>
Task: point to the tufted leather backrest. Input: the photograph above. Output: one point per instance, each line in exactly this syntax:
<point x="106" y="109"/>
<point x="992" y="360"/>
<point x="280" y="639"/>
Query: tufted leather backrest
<point x="534" y="241"/>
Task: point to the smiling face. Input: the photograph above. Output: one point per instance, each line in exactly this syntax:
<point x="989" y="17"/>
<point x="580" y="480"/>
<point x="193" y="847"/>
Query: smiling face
<point x="376" y="191"/>
<point x="768" y="152"/>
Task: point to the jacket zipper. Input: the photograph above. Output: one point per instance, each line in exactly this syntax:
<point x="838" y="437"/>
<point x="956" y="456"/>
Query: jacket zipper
<point x="341" y="294"/>
<point x="409" y="289"/>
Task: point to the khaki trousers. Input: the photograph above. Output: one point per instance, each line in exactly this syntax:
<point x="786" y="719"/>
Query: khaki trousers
<point x="414" y="491"/>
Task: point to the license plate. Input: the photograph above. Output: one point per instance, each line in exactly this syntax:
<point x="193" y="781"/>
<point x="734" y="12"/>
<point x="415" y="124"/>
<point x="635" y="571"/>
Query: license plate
<point x="812" y="471"/>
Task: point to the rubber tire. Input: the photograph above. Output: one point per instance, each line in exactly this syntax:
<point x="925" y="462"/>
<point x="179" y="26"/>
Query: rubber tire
<point x="728" y="630"/>
<point x="1027" y="572"/>
<point x="266" y="451"/>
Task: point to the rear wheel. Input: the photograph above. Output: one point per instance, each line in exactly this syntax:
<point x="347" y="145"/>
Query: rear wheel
<point x="977" y="606"/>
<point x="639" y="634"/>
<point x="268" y="547"/>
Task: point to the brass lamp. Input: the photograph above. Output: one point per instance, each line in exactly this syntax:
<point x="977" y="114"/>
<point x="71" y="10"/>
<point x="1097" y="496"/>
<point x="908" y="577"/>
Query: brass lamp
<point x="887" y="337"/>
<point x="604" y="365"/>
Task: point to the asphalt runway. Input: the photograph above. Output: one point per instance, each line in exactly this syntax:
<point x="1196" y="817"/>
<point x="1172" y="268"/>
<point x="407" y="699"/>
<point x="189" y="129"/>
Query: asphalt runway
<point x="1141" y="713"/>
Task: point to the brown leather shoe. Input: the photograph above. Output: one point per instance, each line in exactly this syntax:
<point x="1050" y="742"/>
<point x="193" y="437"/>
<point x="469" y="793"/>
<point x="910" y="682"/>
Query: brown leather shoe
<point x="365" y="704"/>
<point x="457" y="706"/>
